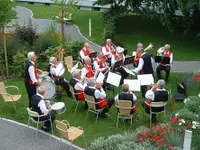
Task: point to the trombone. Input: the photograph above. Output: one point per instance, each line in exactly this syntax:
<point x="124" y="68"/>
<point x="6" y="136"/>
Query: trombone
<point x="149" y="47"/>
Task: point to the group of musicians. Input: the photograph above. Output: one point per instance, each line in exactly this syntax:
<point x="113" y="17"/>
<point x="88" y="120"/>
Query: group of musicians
<point x="84" y="81"/>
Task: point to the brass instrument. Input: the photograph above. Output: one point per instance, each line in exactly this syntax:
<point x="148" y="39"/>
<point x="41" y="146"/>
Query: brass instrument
<point x="161" y="51"/>
<point x="149" y="47"/>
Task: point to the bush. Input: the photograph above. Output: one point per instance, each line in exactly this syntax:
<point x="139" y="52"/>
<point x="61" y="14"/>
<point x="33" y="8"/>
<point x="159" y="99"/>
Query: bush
<point x="26" y="34"/>
<point x="185" y="114"/>
<point x="72" y="48"/>
<point x="193" y="105"/>
<point x="44" y="42"/>
<point x="17" y="68"/>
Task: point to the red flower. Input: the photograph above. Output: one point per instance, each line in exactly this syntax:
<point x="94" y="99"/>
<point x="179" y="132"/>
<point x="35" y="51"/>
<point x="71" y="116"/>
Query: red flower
<point x="170" y="147"/>
<point x="189" y="124"/>
<point x="196" y="76"/>
<point x="173" y="120"/>
<point x="162" y="134"/>
<point x="141" y="140"/>
<point x="158" y="124"/>
<point x="158" y="130"/>
<point x="144" y="134"/>
<point x="154" y="138"/>
<point x="138" y="133"/>
<point x="160" y="143"/>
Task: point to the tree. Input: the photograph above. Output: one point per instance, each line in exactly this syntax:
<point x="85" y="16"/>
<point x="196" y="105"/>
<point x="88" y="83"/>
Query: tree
<point x="66" y="9"/>
<point x="6" y="14"/>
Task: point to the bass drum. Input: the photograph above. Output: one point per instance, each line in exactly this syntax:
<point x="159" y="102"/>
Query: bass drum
<point x="50" y="86"/>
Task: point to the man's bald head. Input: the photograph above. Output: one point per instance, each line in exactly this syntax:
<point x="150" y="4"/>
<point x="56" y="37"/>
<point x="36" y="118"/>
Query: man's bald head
<point x="100" y="55"/>
<point x="41" y="90"/>
<point x="86" y="45"/>
<point x="140" y="45"/>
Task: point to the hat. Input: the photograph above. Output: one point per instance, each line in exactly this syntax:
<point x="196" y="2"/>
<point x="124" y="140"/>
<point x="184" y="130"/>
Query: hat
<point x="119" y="50"/>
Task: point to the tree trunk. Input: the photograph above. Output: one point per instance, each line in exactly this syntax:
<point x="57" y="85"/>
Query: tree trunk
<point x="5" y="52"/>
<point x="62" y="30"/>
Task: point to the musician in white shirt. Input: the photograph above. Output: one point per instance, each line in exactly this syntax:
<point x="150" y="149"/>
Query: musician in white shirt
<point x="108" y="50"/>
<point x="99" y="63"/>
<point x="59" y="80"/>
<point x="41" y="107"/>
<point x="118" y="56"/>
<point x="85" y="51"/>
<point x="87" y="70"/>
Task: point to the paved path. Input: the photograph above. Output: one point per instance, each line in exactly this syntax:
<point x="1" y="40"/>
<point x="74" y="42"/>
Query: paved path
<point x="72" y="32"/>
<point x="16" y="136"/>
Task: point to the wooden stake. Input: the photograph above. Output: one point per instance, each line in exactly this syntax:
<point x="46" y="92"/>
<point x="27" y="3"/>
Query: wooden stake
<point x="5" y="51"/>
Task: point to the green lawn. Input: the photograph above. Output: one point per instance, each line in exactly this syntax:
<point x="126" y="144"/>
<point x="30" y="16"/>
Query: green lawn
<point x="104" y="126"/>
<point x="130" y="31"/>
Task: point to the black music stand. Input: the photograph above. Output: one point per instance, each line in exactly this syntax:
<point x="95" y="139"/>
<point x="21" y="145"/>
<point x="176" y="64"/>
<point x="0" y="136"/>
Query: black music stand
<point x="162" y="59"/>
<point x="93" y="54"/>
<point x="118" y="64"/>
<point x="129" y="60"/>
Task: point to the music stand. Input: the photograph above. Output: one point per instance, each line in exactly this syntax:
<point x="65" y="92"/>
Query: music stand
<point x="129" y="60"/>
<point x="118" y="64"/>
<point x="162" y="59"/>
<point x="93" y="54"/>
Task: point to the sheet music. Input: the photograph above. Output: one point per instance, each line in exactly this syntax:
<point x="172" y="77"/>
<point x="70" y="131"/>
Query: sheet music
<point x="113" y="79"/>
<point x="59" y="70"/>
<point x="100" y="77"/>
<point x="129" y="71"/>
<point x="146" y="79"/>
<point x="74" y="68"/>
<point x="134" y="85"/>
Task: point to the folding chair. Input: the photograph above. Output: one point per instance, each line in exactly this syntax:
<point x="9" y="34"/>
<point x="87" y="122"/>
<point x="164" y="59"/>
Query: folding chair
<point x="69" y="133"/>
<point x="124" y="109"/>
<point x="92" y="106"/>
<point x="9" y="97"/>
<point x="33" y="114"/>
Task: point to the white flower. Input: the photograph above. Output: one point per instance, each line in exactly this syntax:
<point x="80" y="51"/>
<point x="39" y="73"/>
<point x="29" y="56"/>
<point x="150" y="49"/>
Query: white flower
<point x="176" y="115"/>
<point x="182" y="121"/>
<point x="193" y="127"/>
<point x="180" y="124"/>
<point x="194" y="122"/>
<point x="186" y="99"/>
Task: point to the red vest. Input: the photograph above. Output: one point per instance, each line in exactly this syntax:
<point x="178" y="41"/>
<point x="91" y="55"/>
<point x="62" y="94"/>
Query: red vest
<point x="36" y="75"/>
<point x="107" y="50"/>
<point x="137" y="57"/>
<point x="90" y="73"/>
<point x="100" y="63"/>
<point x="85" y="51"/>
<point x="102" y="103"/>
<point x="166" y="55"/>
<point x="80" y="95"/>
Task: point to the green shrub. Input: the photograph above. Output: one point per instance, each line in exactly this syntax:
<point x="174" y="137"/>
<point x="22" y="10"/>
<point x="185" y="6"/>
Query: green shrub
<point x="72" y="48"/>
<point x="44" y="42"/>
<point x="193" y="105"/>
<point x="17" y="68"/>
<point x="26" y="34"/>
<point x="185" y="114"/>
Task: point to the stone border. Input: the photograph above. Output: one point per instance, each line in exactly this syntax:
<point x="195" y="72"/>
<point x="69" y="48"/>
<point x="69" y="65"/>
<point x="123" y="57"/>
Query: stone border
<point x="47" y="134"/>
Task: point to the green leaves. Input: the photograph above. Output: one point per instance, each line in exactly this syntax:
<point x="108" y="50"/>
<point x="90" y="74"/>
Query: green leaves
<point x="6" y="12"/>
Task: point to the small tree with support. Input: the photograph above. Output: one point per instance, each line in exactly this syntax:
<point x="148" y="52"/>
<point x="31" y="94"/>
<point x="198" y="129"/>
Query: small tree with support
<point x="6" y="14"/>
<point x="66" y="9"/>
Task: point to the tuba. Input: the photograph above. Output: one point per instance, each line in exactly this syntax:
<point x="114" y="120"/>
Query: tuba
<point x="149" y="47"/>
<point x="160" y="51"/>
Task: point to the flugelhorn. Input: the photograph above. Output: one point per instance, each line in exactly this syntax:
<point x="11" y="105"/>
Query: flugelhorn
<point x="149" y="47"/>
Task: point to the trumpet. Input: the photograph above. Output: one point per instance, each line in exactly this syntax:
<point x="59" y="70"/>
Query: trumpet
<point x="149" y="47"/>
<point x="154" y="86"/>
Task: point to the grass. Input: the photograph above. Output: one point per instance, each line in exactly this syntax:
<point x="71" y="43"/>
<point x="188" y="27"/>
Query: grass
<point x="130" y="31"/>
<point x="104" y="126"/>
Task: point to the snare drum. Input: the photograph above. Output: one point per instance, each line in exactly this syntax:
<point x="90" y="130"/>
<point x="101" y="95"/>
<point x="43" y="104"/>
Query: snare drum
<point x="49" y="84"/>
<point x="59" y="107"/>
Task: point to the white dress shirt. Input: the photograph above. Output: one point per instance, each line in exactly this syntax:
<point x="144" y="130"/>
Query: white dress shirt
<point x="150" y="95"/>
<point x="31" y="72"/>
<point x="141" y="64"/>
<point x="84" y="72"/>
<point x="134" y="97"/>
<point x="79" y="85"/>
<point x="99" y="93"/>
<point x="105" y="53"/>
<point x="53" y="70"/>
<point x="42" y="105"/>
<point x="82" y="54"/>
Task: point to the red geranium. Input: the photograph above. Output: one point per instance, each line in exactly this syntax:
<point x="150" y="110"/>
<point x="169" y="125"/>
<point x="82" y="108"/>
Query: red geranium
<point x="189" y="124"/>
<point x="173" y="120"/>
<point x="141" y="139"/>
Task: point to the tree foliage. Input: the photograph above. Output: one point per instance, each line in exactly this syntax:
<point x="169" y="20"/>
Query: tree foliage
<point x="6" y="12"/>
<point x="188" y="18"/>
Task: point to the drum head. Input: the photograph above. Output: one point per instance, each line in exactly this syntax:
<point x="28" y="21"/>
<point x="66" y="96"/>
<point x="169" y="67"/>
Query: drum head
<point x="50" y="89"/>
<point x="58" y="106"/>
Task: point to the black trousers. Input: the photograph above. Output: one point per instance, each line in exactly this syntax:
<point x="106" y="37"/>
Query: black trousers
<point x="144" y="90"/>
<point x="166" y="69"/>
<point x="31" y="90"/>
<point x="65" y="85"/>
<point x="123" y="73"/>
<point x="47" y="122"/>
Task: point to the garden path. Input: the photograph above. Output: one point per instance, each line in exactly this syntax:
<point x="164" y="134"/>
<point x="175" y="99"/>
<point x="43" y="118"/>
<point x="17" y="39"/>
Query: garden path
<point x="72" y="32"/>
<point x="18" y="136"/>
